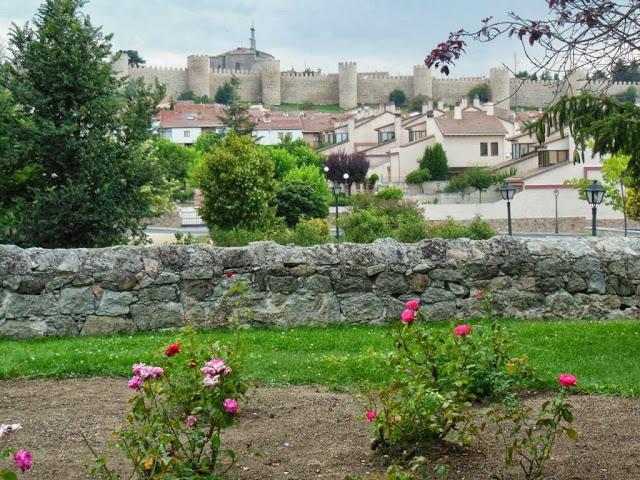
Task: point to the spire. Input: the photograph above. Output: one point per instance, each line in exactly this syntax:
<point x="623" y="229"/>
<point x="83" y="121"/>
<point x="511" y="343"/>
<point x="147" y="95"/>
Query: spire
<point x="253" y="37"/>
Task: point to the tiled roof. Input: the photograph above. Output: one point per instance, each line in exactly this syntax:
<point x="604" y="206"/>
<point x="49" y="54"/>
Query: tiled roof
<point x="317" y="123"/>
<point x="277" y="121"/>
<point x="472" y="123"/>
<point x="191" y="115"/>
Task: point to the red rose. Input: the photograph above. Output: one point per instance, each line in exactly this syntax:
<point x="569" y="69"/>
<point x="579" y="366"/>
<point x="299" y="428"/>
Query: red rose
<point x="229" y="274"/>
<point x="172" y="349"/>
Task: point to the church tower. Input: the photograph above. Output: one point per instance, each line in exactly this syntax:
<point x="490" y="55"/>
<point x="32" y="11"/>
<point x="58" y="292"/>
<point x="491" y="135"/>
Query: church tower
<point x="253" y="37"/>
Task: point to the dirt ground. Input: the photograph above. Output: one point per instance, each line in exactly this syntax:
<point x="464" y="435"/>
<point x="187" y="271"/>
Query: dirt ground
<point x="297" y="433"/>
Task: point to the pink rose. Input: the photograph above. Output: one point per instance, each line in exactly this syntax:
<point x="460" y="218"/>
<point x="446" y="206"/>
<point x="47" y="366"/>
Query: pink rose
<point x="479" y="294"/>
<point x="230" y="405"/>
<point x="211" y="382"/>
<point x="408" y="316"/>
<point x="371" y="415"/>
<point x="5" y="430"/>
<point x="23" y="460"/>
<point x="191" y="421"/>
<point x="413" y="304"/>
<point x="462" y="330"/>
<point x="135" y="382"/>
<point x="567" y="380"/>
<point x="147" y="371"/>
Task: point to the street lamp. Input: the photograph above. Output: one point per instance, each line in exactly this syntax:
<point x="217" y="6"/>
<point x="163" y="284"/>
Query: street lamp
<point x="326" y="171"/>
<point x="595" y="195"/>
<point x="556" y="192"/>
<point x="508" y="191"/>
<point x="336" y="187"/>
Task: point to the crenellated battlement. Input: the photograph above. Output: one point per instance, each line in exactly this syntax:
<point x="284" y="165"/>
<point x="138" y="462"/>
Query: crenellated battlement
<point x="153" y="68"/>
<point x="461" y="79"/>
<point x="237" y="73"/>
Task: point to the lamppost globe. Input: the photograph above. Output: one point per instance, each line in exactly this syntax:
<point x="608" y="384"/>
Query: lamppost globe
<point x="326" y="169"/>
<point x="508" y="191"/>
<point x="595" y="194"/>
<point x="345" y="176"/>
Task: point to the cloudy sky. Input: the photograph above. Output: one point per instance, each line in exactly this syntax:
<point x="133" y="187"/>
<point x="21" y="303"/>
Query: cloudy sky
<point x="380" y="35"/>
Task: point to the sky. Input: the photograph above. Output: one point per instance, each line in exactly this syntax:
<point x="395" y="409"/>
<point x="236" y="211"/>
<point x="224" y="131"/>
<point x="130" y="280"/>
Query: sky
<point x="380" y="35"/>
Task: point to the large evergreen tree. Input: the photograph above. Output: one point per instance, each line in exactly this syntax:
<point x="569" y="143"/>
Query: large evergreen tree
<point x="70" y="172"/>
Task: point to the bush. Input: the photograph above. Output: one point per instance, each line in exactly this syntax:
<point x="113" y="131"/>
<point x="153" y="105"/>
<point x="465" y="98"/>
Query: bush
<point x="416" y="103"/>
<point x="364" y="226"/>
<point x="313" y="231"/>
<point x="283" y="161"/>
<point x="372" y="180"/>
<point x="457" y="184"/>
<point x="450" y="230"/>
<point x="418" y="176"/>
<point x="235" y="237"/>
<point x="398" y="97"/>
<point x="236" y="180"/>
<point x="482" y="91"/>
<point x="305" y="155"/>
<point x="298" y="198"/>
<point x="437" y="374"/>
<point x="179" y="410"/>
<point x="434" y="159"/>
<point x="311" y="175"/>
<point x="390" y="193"/>
<point x="207" y="141"/>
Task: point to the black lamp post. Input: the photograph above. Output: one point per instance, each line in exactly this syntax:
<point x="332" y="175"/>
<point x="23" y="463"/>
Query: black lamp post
<point x="595" y="195"/>
<point x="336" y="187"/>
<point x="508" y="191"/>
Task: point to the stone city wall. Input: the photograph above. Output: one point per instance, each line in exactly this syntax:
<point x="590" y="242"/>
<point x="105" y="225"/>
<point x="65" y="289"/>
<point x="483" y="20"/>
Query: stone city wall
<point x="175" y="79"/>
<point x="129" y="289"/>
<point x="317" y="89"/>
<point x="376" y="88"/>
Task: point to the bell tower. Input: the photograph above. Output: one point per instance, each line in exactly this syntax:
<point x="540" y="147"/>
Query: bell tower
<point x="253" y="37"/>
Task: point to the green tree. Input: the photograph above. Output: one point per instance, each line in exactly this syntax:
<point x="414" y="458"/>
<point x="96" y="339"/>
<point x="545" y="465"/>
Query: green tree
<point x="296" y="199"/>
<point x="479" y="178"/>
<point x="236" y="116"/>
<point x="283" y="161"/>
<point x="434" y="159"/>
<point x="134" y="58"/>
<point x="305" y="155"/>
<point x="398" y="97"/>
<point x="629" y="95"/>
<point x="71" y="175"/>
<point x="237" y="183"/>
<point x="311" y="175"/>
<point x="175" y="162"/>
<point x="419" y="177"/>
<point x="416" y="103"/>
<point x="626" y="72"/>
<point x="227" y="92"/>
<point x="206" y="142"/>
<point x="482" y="91"/>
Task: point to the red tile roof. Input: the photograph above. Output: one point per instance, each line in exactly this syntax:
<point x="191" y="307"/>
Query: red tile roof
<point x="472" y="123"/>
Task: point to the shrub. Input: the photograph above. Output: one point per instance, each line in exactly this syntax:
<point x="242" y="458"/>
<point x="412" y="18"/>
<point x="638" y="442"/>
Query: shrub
<point x="235" y="237"/>
<point x="21" y="458"/>
<point x="179" y="410"/>
<point x="372" y="180"/>
<point x="434" y="159"/>
<point x="457" y="184"/>
<point x="390" y="193"/>
<point x="236" y="180"/>
<point x="479" y="178"/>
<point x="313" y="231"/>
<point x="482" y="91"/>
<point x="437" y="374"/>
<point x="311" y="175"/>
<point x="450" y="230"/>
<point x="283" y="161"/>
<point x="416" y="103"/>
<point x="297" y="198"/>
<point x="305" y="155"/>
<point x="408" y="229"/>
<point x="398" y="97"/>
<point x="481" y="230"/>
<point x="206" y="142"/>
<point x="364" y="226"/>
<point x="418" y="177"/>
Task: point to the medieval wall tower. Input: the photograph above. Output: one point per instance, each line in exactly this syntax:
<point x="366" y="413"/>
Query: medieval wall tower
<point x="500" y="87"/>
<point x="348" y="84"/>
<point x="270" y="80"/>
<point x="422" y="81"/>
<point x="198" y="68"/>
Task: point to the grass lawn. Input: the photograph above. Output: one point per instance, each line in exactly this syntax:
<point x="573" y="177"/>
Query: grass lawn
<point x="318" y="108"/>
<point x="603" y="355"/>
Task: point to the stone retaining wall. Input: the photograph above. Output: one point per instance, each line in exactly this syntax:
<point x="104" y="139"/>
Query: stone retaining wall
<point x="128" y="289"/>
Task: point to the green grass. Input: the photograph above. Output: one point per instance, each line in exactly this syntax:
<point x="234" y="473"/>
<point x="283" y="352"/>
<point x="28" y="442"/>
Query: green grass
<point x="603" y="355"/>
<point x="318" y="108"/>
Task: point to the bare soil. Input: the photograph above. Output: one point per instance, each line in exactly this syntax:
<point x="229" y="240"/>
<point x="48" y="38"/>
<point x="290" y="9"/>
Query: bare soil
<point x="297" y="433"/>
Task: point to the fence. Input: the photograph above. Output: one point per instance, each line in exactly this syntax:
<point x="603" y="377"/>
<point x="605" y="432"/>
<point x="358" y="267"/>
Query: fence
<point x="189" y="217"/>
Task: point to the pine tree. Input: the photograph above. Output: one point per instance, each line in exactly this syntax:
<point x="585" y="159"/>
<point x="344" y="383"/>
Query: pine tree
<point x="435" y="161"/>
<point x="70" y="176"/>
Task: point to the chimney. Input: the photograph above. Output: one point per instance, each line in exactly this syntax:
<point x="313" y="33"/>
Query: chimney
<point x="457" y="111"/>
<point x="397" y="127"/>
<point x="476" y="101"/>
<point x="488" y="107"/>
<point x="429" y="105"/>
<point x="441" y="105"/>
<point x="464" y="103"/>
<point x="424" y="109"/>
<point x="391" y="107"/>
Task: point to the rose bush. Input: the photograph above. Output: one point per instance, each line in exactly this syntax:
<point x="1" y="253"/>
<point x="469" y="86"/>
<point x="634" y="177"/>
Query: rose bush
<point x="20" y="459"/>
<point x="180" y="408"/>
<point x="438" y="373"/>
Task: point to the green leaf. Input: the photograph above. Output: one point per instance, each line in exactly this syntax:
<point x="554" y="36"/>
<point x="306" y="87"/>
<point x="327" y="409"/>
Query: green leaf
<point x="572" y="434"/>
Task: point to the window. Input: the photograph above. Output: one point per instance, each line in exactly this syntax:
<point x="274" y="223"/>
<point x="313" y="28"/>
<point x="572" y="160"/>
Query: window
<point x="338" y="138"/>
<point x="494" y="149"/>
<point x="416" y="135"/>
<point x="484" y="149"/>
<point x="519" y="150"/>
<point x="547" y="158"/>
<point x="386" y="136"/>
<point x="187" y="134"/>
<point x="237" y="66"/>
